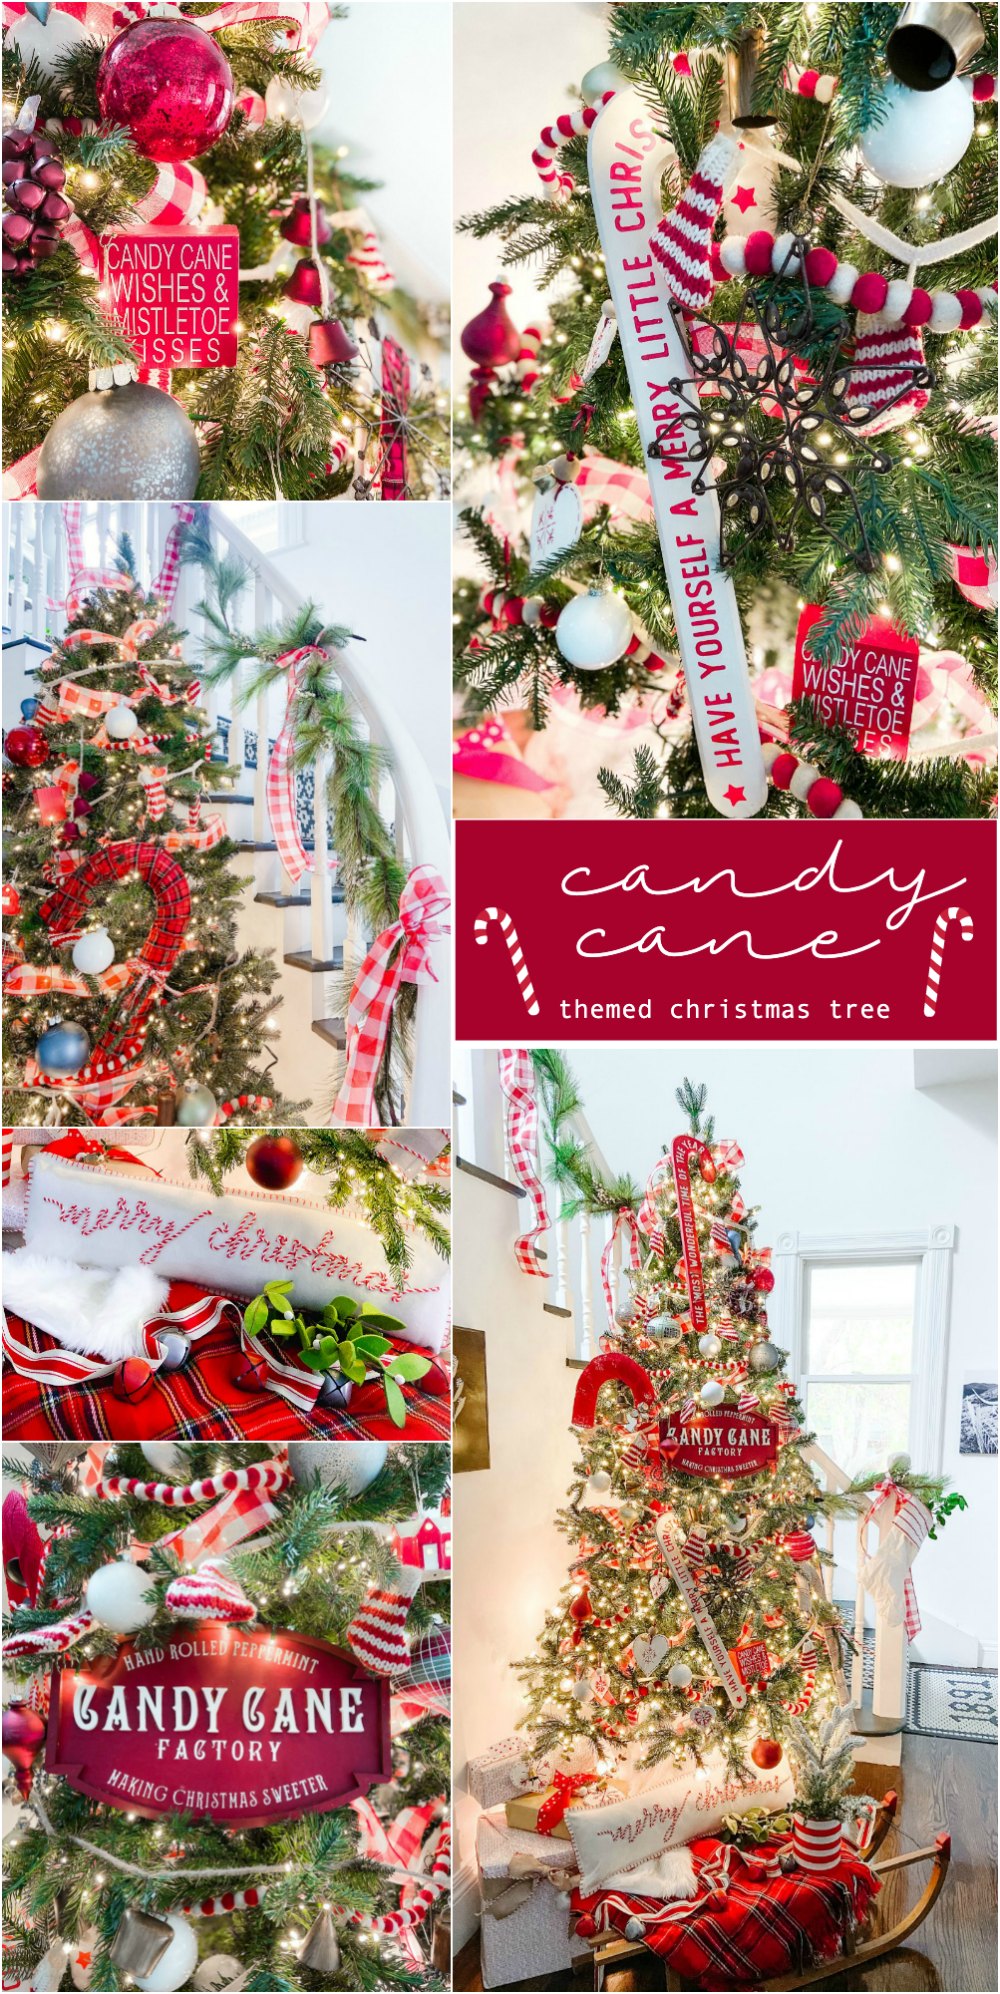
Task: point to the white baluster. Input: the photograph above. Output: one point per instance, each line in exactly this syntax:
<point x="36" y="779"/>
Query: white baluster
<point x="262" y="612"/>
<point x="59" y="579"/>
<point x="562" y="1250"/>
<point x="857" y="1661"/>
<point x="17" y="603"/>
<point x="321" y="905"/>
<point x="43" y="560"/>
<point x="586" y="1290"/>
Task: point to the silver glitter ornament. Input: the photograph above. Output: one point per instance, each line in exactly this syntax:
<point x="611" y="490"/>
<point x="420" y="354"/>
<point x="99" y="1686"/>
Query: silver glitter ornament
<point x="664" y="1326"/>
<point x="624" y="1317"/>
<point x="764" y="1357"/>
<point x="128" y="442"/>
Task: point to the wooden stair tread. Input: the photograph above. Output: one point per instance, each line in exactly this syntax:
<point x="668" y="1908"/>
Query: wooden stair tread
<point x="297" y="899"/>
<point x="552" y="1308"/>
<point x="303" y="959"/>
<point x="333" y="1030"/>
<point x="228" y="796"/>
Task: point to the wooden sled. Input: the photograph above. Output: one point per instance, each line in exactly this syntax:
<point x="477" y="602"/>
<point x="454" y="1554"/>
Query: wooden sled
<point x="609" y="1952"/>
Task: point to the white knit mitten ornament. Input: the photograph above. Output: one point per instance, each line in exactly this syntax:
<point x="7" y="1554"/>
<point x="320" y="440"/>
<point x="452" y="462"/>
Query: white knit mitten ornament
<point x="886" y="361"/>
<point x="682" y="241"/>
<point x="376" y="1632"/>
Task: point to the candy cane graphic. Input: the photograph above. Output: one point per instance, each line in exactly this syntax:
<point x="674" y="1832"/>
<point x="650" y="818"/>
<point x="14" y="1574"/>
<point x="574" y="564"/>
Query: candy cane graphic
<point x="510" y="935"/>
<point x="937" y="950"/>
<point x="683" y="1149"/>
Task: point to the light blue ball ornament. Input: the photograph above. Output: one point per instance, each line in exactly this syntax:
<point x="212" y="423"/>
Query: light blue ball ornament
<point x="29" y="707"/>
<point x="196" y="1107"/>
<point x="63" y="1049"/>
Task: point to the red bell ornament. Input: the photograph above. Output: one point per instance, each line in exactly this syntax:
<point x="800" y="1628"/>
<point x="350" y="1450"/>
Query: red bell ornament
<point x="491" y="338"/>
<point x="274" y="1162"/>
<point x="297" y="225"/>
<point x="26" y="747"/>
<point x="304" y="286"/>
<point x="170" y="84"/>
<point x="330" y="345"/>
<point x="23" y="1738"/>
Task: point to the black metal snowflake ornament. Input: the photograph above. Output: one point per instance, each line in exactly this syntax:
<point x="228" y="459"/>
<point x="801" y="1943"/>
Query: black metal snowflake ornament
<point x="772" y="411"/>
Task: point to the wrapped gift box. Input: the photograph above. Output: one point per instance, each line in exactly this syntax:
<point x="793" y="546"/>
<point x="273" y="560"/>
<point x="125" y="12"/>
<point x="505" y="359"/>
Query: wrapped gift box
<point x="500" y="1773"/>
<point x="522" y="1812"/>
<point x="527" y="1928"/>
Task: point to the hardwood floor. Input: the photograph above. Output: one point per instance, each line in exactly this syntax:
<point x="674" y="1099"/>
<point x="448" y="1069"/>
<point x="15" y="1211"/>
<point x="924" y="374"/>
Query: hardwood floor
<point x="944" y="1784"/>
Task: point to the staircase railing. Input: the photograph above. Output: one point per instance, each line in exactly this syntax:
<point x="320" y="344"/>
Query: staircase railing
<point x="36" y="584"/>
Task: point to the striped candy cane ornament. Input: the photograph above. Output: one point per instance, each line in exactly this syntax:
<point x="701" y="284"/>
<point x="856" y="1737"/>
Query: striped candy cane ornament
<point x="570" y="124"/>
<point x="514" y="950"/>
<point x="941" y="926"/>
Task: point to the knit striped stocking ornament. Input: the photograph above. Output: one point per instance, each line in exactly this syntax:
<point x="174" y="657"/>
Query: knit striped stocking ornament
<point x="888" y="363"/>
<point x="682" y="241"/>
<point x="376" y="1632"/>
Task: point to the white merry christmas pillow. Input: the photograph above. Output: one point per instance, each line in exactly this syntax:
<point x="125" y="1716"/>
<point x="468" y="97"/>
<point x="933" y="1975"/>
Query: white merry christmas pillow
<point x="107" y="1218"/>
<point x="613" y="1843"/>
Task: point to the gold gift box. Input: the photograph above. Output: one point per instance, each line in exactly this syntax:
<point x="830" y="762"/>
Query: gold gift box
<point x="522" y="1812"/>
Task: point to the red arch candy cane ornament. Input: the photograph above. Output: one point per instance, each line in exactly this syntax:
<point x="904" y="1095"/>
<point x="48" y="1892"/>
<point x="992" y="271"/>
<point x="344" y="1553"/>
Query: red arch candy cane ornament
<point x="684" y="1147"/>
<point x="612" y="1368"/>
<point x="941" y="927"/>
<point x="514" y="950"/>
<point x="66" y="907"/>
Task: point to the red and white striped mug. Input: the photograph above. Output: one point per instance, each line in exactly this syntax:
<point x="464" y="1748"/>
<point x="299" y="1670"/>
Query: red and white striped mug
<point x="816" y="1844"/>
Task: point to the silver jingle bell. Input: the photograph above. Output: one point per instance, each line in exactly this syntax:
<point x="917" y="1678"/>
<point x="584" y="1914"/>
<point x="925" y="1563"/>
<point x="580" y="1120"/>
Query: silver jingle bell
<point x="335" y="1392"/>
<point x="176" y="1348"/>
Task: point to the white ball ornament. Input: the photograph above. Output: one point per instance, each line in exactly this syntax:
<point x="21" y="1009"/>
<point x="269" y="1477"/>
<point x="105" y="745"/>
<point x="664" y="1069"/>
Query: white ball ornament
<point x="599" y="80"/>
<point x="175" y="1966"/>
<point x="594" y="630"/>
<point x="114" y="1595"/>
<point x="121" y="723"/>
<point x="679" y="1676"/>
<point x="350" y="1464"/>
<point x="600" y="1481"/>
<point x="308" y="108"/>
<point x="164" y="1457"/>
<point x="916" y="140"/>
<point x="94" y="952"/>
<point x="219" y="1970"/>
<point x="709" y="1345"/>
<point x="712" y="1393"/>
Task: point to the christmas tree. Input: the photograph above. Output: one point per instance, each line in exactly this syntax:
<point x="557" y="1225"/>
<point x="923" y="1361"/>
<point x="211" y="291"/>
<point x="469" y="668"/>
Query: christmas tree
<point x="194" y="298"/>
<point x="158" y="1009"/>
<point x="798" y="355"/>
<point x="289" y="1867"/>
<point x="695" y="1619"/>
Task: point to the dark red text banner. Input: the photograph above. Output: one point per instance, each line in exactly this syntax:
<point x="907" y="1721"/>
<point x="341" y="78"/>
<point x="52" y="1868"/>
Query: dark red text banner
<point x="711" y="930"/>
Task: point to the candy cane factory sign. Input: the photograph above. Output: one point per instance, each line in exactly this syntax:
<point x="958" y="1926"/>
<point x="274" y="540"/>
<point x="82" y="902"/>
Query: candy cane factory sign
<point x="243" y="1726"/>
<point x="175" y="292"/>
<point x="728" y="1442"/>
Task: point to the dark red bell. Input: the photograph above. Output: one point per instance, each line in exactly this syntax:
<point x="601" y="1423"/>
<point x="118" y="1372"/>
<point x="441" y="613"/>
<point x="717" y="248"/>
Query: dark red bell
<point x="134" y="1376"/>
<point x="251" y="1375"/>
<point x="26" y="196"/>
<point x="297" y="225"/>
<point x="330" y="345"/>
<point x="491" y="338"/>
<point x="304" y="284"/>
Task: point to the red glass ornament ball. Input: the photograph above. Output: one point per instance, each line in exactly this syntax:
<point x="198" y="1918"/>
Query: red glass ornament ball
<point x="26" y="747"/>
<point x="580" y="1607"/>
<point x="765" y="1752"/>
<point x="763" y="1280"/>
<point x="708" y="1170"/>
<point x="274" y="1162"/>
<point x="170" y="83"/>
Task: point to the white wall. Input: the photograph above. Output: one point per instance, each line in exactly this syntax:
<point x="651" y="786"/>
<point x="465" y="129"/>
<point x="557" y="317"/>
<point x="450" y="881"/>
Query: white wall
<point x="517" y="65"/>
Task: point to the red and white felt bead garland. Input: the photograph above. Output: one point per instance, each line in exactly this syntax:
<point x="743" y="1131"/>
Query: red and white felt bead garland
<point x="891" y="301"/>
<point x="822" y="797"/>
<point x="260" y="1475"/>
<point x="570" y="124"/>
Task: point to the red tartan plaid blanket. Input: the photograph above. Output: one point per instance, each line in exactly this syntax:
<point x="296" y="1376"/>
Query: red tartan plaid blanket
<point x="745" y="1926"/>
<point x="201" y="1402"/>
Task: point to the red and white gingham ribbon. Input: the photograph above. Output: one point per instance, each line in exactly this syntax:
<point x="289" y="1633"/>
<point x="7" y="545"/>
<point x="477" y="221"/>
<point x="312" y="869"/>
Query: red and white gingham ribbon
<point x="239" y="1515"/>
<point x="400" y="954"/>
<point x="280" y="771"/>
<point x="728" y="1156"/>
<point x="166" y="581"/>
<point x="177" y="195"/>
<point x="625" y="1221"/>
<point x="975" y="576"/>
<point x="303" y="21"/>
<point x="649" y="1218"/>
<point x="517" y="1083"/>
<point x="913" y="1520"/>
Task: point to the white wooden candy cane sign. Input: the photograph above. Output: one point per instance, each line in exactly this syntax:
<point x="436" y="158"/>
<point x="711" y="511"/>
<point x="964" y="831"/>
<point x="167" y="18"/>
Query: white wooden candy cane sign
<point x="669" y="1541"/>
<point x="626" y="159"/>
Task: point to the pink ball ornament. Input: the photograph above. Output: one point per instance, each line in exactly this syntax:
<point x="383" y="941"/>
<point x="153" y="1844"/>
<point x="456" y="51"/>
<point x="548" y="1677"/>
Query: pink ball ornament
<point x="170" y="83"/>
<point x="491" y="338"/>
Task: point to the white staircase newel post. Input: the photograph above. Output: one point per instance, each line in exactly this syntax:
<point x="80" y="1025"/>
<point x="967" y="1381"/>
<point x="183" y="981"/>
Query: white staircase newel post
<point x="586" y="1290"/>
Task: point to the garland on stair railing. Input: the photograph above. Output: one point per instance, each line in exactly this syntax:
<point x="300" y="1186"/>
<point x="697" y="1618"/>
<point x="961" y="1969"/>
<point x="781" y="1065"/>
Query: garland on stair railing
<point x="301" y="654"/>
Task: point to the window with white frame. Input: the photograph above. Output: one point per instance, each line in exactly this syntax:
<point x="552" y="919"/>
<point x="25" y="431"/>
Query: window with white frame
<point x="865" y="1320"/>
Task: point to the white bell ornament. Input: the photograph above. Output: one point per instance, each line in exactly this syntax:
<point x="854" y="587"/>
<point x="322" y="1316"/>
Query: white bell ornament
<point x="918" y="138"/>
<point x="175" y="1966"/>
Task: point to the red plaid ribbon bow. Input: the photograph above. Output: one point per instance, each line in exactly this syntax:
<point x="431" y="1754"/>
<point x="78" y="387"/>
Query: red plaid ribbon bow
<point x="565" y="1787"/>
<point x="517" y="1081"/>
<point x="625" y="1220"/>
<point x="400" y="954"/>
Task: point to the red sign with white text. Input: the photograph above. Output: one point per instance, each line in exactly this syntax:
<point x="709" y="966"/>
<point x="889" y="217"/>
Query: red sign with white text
<point x="696" y="929"/>
<point x="237" y="1724"/>
<point x="175" y="292"/>
<point x="870" y="689"/>
<point x="726" y="1442"/>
